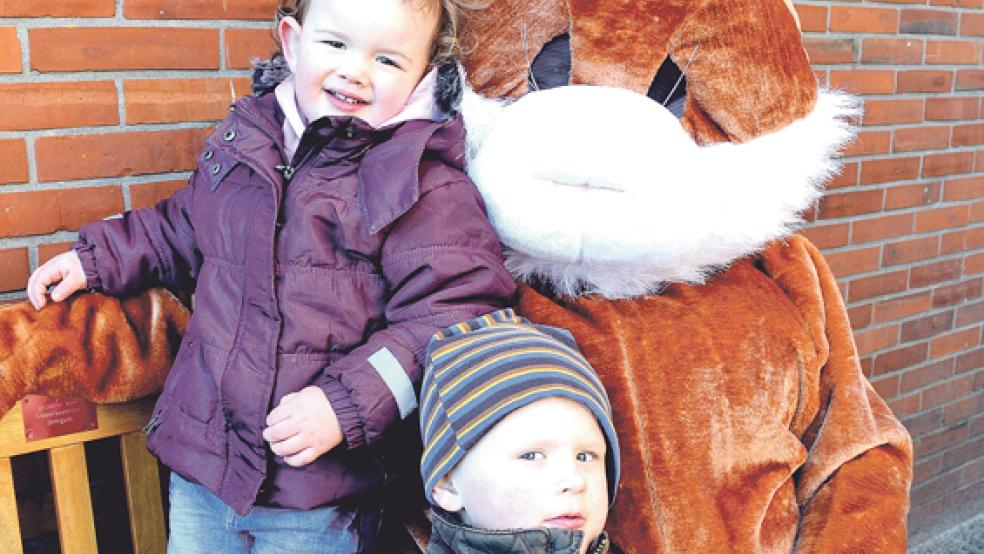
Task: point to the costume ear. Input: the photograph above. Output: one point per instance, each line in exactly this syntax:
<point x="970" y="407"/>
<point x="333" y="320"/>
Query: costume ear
<point x="289" y="31"/>
<point x="446" y="496"/>
<point x="747" y="73"/>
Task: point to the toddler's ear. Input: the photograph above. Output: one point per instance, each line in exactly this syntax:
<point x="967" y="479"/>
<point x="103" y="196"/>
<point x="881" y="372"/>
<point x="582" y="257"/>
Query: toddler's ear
<point x="446" y="496"/>
<point x="289" y="31"/>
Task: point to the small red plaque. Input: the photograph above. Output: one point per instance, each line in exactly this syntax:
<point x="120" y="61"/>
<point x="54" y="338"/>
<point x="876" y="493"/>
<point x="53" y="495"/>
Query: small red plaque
<point x="46" y="416"/>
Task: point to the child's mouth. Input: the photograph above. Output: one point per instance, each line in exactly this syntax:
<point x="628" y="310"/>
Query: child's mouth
<point x="566" y="521"/>
<point x="345" y="99"/>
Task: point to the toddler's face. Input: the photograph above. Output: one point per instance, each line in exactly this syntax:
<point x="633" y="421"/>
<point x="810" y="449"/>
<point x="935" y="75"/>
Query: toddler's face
<point x="358" y="57"/>
<point x="542" y="465"/>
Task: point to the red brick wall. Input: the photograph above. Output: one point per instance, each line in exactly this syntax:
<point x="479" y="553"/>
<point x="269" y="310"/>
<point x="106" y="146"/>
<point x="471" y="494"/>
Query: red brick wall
<point x="103" y="108"/>
<point x="104" y="105"/>
<point x="903" y="226"/>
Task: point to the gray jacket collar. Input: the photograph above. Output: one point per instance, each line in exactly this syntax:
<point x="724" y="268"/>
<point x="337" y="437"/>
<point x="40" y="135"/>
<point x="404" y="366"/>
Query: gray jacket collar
<point x="449" y="536"/>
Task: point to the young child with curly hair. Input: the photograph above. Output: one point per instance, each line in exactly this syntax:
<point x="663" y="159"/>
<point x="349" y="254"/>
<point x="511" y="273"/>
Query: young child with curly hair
<point x="328" y="231"/>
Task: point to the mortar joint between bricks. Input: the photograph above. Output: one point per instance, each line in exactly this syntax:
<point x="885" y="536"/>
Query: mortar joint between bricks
<point x="32" y="257"/>
<point x="110" y="129"/>
<point x="120" y="100"/>
<point x="94" y="182"/>
<point x="22" y="39"/>
<point x="16" y="296"/>
<point x="32" y="165"/>
<point x="222" y="49"/>
<point x="35" y="241"/>
<point x="125" y="190"/>
<point x="119" y="22"/>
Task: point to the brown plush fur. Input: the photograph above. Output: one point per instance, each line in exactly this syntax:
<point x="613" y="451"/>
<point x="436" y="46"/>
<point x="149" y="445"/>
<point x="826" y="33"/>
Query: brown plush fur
<point x="739" y="57"/>
<point x="515" y="30"/>
<point x="745" y="422"/>
<point x="744" y="58"/>
<point x="91" y="346"/>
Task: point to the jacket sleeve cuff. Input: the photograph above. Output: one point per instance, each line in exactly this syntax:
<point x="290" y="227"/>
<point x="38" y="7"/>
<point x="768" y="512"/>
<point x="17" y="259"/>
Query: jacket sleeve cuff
<point x="353" y="428"/>
<point x="85" y="249"/>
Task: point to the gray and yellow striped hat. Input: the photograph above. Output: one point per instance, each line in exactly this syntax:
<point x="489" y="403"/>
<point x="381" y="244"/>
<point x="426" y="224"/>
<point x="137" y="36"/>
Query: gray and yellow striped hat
<point x="479" y="371"/>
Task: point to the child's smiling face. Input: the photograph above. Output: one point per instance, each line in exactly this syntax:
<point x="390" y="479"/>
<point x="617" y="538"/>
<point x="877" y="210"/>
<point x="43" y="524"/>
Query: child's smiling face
<point x="542" y="465"/>
<point x="359" y="58"/>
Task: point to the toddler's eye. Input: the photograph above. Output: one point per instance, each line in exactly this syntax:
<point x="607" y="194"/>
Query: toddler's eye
<point x="586" y="456"/>
<point x="337" y="44"/>
<point x="386" y="60"/>
<point x="531" y="456"/>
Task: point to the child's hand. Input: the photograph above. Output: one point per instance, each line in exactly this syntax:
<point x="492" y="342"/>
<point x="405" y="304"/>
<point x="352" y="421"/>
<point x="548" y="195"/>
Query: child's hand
<point x="302" y="427"/>
<point x="66" y="268"/>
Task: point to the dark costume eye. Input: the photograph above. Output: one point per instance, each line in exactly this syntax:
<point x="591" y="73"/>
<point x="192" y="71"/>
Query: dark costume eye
<point x="552" y="68"/>
<point x="669" y="87"/>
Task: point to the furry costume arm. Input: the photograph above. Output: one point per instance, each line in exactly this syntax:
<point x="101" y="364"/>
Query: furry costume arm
<point x="859" y="465"/>
<point x="91" y="346"/>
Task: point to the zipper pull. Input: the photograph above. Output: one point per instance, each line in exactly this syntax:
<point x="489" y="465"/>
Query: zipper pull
<point x="155" y="421"/>
<point x="285" y="170"/>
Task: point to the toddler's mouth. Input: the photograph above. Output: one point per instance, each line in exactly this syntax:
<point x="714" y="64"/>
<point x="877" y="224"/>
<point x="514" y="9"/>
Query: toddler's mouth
<point x="348" y="99"/>
<point x="566" y="521"/>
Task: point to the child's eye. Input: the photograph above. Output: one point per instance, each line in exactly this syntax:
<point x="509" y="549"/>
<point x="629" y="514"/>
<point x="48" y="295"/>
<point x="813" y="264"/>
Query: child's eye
<point x="386" y="60"/>
<point x="337" y="44"/>
<point x="586" y="456"/>
<point x="531" y="456"/>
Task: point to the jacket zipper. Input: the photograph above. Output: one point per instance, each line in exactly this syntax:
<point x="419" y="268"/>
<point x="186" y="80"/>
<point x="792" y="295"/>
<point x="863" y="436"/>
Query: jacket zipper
<point x="283" y="154"/>
<point x="287" y="170"/>
<point x="154" y="423"/>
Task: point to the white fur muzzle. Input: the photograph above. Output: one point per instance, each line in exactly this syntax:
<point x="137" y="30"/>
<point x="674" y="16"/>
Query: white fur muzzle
<point x="624" y="202"/>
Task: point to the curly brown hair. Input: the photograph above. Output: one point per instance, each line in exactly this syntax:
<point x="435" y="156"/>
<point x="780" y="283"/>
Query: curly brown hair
<point x="445" y="41"/>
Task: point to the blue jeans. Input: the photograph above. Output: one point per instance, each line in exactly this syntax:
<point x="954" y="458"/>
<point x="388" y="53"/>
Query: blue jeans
<point x="202" y="524"/>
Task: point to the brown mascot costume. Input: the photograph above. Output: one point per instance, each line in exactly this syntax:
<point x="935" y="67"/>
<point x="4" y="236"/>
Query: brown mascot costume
<point x="665" y="245"/>
<point x="651" y="214"/>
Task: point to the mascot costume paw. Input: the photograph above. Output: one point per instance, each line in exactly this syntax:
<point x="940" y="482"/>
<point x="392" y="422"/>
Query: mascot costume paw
<point x="665" y="245"/>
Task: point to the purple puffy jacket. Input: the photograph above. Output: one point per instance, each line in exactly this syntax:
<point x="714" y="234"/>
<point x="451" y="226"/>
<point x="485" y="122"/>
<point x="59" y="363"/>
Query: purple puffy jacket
<point x="337" y="279"/>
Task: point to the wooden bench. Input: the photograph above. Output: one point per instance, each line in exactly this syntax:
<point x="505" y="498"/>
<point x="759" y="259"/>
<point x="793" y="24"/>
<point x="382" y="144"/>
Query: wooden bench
<point x="70" y="481"/>
<point x="70" y="486"/>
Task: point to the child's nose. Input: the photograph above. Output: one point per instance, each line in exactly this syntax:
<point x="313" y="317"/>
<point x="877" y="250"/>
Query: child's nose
<point x="353" y="71"/>
<point x="572" y="480"/>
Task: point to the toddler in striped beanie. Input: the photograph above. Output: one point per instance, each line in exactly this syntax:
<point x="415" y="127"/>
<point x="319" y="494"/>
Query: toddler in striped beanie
<point x="520" y="454"/>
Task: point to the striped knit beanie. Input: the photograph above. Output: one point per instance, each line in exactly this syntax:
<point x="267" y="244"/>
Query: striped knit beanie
<point x="479" y="371"/>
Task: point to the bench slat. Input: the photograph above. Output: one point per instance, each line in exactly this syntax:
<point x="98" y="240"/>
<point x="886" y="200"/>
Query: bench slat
<point x="73" y="503"/>
<point x="143" y="495"/>
<point x="10" y="537"/>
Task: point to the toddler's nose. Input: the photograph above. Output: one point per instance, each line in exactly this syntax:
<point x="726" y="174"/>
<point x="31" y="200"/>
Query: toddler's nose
<point x="572" y="480"/>
<point x="353" y="72"/>
<point x="351" y="77"/>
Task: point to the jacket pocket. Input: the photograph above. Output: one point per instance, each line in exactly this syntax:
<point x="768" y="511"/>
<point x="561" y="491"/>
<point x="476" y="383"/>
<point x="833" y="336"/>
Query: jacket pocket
<point x="194" y="393"/>
<point x="178" y="368"/>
